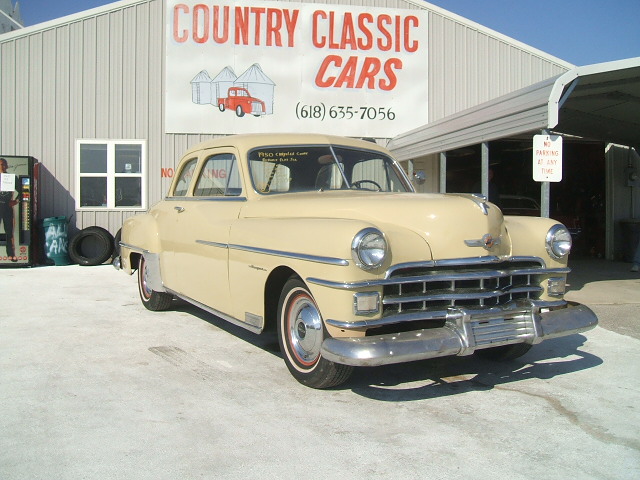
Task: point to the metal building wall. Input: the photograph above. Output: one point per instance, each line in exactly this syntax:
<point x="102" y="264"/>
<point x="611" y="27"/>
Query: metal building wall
<point x="469" y="65"/>
<point x="95" y="76"/>
<point x="100" y="75"/>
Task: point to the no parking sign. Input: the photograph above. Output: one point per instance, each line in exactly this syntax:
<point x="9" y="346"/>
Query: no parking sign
<point x="547" y="158"/>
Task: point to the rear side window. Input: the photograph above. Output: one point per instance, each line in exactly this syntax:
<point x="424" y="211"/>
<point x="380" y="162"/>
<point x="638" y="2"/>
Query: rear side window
<point x="219" y="177"/>
<point x="184" y="178"/>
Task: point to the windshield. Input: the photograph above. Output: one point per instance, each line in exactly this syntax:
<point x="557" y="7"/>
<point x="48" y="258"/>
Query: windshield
<point x="305" y="168"/>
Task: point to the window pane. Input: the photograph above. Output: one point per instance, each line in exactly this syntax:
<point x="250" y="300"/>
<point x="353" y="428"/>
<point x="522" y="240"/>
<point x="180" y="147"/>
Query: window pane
<point x="93" y="192"/>
<point x="219" y="177"/>
<point x="93" y="158"/>
<point x="128" y="192"/>
<point x="128" y="158"/>
<point x="184" y="178"/>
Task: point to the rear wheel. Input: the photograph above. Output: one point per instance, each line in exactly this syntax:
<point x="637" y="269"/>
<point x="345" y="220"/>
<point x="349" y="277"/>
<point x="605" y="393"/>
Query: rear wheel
<point x="300" y="333"/>
<point x="504" y="353"/>
<point x="152" y="300"/>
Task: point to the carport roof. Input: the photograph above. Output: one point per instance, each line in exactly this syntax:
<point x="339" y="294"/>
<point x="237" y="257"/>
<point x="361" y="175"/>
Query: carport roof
<point x="598" y="102"/>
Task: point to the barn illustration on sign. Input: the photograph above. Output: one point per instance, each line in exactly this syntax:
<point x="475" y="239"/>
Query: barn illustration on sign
<point x="250" y="93"/>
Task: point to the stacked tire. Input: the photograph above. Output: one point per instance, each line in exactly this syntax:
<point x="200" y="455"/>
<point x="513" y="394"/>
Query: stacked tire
<point x="91" y="246"/>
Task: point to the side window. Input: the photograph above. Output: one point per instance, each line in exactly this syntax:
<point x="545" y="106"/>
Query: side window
<point x="219" y="177"/>
<point x="184" y="178"/>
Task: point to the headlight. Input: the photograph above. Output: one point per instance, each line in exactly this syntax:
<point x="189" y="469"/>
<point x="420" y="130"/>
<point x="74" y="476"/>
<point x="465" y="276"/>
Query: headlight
<point x="558" y="241"/>
<point x="369" y="248"/>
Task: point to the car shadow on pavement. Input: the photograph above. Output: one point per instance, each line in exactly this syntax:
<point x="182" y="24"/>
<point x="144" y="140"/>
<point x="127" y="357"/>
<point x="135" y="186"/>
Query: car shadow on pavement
<point x="441" y="377"/>
<point x="267" y="341"/>
<point x="438" y="377"/>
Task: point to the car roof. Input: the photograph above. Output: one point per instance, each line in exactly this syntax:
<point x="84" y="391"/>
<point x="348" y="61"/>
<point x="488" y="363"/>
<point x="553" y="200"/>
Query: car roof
<point x="248" y="141"/>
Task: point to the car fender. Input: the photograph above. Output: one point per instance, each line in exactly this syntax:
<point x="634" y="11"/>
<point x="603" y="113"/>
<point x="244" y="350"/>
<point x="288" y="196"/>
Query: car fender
<point x="317" y="249"/>
<point x="528" y="235"/>
<point x="139" y="235"/>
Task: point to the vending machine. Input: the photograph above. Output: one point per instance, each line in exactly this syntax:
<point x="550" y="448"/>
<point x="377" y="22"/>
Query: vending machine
<point x="18" y="211"/>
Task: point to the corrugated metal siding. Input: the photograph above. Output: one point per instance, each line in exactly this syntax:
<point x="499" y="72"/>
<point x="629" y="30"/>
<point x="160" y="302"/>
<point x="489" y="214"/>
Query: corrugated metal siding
<point x="101" y="76"/>
<point x="468" y="66"/>
<point x="94" y="77"/>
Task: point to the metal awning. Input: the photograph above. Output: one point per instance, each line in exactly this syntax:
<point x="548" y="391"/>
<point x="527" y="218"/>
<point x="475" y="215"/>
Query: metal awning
<point x="598" y="102"/>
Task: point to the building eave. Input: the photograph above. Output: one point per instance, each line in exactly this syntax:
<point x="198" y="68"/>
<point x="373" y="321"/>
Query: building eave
<point x="542" y="106"/>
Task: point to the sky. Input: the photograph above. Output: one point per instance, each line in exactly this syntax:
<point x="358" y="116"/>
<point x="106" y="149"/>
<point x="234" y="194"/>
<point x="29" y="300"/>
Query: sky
<point x="581" y="32"/>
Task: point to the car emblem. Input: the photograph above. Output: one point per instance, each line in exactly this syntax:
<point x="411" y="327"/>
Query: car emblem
<point x="487" y="242"/>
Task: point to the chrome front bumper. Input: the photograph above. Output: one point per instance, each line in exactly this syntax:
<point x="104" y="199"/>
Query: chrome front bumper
<point x="463" y="333"/>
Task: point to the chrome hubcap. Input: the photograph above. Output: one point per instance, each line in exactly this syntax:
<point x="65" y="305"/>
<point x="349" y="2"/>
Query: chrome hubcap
<point x="305" y="330"/>
<point x="144" y="279"/>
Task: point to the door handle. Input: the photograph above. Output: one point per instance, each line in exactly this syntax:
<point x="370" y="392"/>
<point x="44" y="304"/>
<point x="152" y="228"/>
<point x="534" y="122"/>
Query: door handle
<point x="179" y="209"/>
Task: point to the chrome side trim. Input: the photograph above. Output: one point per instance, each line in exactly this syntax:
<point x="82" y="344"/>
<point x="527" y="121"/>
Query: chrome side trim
<point x="229" y="198"/>
<point x="212" y="311"/>
<point x="297" y="256"/>
<point x="133" y="247"/>
<point x="344" y="285"/>
<point x="212" y="244"/>
<point x="278" y="253"/>
<point x="461" y="335"/>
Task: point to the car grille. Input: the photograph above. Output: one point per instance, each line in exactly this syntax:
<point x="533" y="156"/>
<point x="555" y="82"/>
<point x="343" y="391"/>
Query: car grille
<point x="439" y="288"/>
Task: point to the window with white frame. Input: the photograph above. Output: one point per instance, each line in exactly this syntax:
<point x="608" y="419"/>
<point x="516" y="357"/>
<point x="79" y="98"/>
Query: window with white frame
<point x="111" y="174"/>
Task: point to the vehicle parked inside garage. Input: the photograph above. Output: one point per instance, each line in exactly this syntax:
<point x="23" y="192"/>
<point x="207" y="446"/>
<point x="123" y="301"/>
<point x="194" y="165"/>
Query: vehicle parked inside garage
<point x="323" y="239"/>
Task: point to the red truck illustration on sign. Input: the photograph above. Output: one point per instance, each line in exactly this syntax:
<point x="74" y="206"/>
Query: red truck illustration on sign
<point x="240" y="100"/>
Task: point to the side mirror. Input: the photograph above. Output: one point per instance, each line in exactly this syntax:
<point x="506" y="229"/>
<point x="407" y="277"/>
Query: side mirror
<point x="419" y="177"/>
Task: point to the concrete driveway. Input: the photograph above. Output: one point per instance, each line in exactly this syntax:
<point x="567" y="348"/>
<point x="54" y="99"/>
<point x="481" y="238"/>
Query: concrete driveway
<point x="93" y="386"/>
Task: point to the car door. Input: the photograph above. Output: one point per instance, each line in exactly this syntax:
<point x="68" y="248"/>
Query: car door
<point x="166" y="214"/>
<point x="203" y="223"/>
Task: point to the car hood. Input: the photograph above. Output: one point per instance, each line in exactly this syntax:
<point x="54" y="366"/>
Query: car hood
<point x="453" y="225"/>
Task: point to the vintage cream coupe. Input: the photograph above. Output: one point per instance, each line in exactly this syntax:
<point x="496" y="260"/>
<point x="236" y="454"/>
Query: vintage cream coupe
<point x="323" y="239"/>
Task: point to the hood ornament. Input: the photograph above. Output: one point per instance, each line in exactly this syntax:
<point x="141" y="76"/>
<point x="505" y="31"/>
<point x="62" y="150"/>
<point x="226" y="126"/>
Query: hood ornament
<point x="487" y="242"/>
<point x="481" y="201"/>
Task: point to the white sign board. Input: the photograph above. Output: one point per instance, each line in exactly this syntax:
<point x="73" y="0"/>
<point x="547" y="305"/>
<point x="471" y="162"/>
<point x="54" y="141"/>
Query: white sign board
<point x="7" y="182"/>
<point x="547" y="158"/>
<point x="267" y="66"/>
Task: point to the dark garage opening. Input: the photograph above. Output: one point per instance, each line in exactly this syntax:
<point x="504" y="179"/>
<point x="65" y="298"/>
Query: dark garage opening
<point x="578" y="201"/>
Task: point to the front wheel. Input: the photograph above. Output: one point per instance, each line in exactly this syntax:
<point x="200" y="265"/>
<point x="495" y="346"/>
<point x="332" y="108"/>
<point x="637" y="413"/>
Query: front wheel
<point x="300" y="333"/>
<point x="239" y="111"/>
<point x="152" y="300"/>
